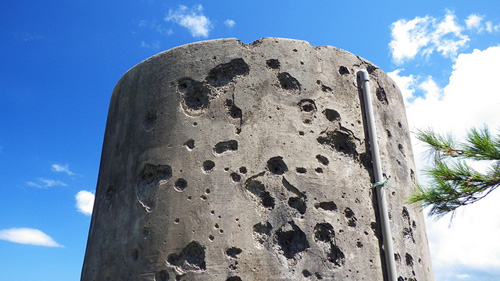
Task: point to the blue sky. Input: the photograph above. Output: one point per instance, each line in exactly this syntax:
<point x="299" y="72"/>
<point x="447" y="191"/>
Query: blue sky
<point x="61" y="59"/>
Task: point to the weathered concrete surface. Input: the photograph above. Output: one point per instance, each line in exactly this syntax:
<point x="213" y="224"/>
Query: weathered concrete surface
<point x="227" y="161"/>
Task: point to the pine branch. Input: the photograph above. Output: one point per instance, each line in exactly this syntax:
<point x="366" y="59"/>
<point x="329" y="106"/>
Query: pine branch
<point x="455" y="183"/>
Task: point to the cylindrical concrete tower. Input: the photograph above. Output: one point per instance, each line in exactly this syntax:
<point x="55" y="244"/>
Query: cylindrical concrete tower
<point x="227" y="161"/>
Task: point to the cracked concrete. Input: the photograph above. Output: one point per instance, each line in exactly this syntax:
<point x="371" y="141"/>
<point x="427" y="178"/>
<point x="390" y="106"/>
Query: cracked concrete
<point x="231" y="161"/>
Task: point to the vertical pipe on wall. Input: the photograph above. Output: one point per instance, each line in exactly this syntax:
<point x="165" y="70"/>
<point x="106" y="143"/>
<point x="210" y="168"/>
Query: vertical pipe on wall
<point x="364" y="79"/>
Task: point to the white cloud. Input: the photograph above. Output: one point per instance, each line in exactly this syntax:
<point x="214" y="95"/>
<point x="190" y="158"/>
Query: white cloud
<point x="409" y="37"/>
<point x="463" y="276"/>
<point x="45" y="183"/>
<point x="473" y="21"/>
<point x="62" y="169"/>
<point x="424" y="35"/>
<point x="192" y="19"/>
<point x="85" y="202"/>
<point x="471" y="99"/>
<point x="405" y="83"/>
<point x="28" y="236"/>
<point x="229" y="23"/>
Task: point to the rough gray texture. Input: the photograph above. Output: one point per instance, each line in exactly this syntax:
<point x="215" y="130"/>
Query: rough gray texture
<point x="228" y="161"/>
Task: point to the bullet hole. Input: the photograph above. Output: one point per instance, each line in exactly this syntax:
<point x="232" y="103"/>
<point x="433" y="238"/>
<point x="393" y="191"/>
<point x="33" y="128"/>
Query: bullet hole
<point x="327" y="206"/>
<point x="325" y="88"/>
<point x="135" y="254"/>
<point x="301" y="133"/>
<point x="405" y="214"/>
<point x="295" y="50"/>
<point x="195" y="95"/>
<point x="203" y="197"/>
<point x="243" y="170"/>
<point x="208" y="165"/>
<point x="407" y="229"/>
<point x="409" y="259"/>
<point x="336" y="256"/>
<point x="257" y="189"/>
<point x="301" y="170"/>
<point x="207" y="191"/>
<point x="414" y="224"/>
<point x="342" y="141"/>
<point x="322" y="159"/>
<point x="189" y="144"/>
<point x="306" y="273"/>
<point x="324" y="232"/>
<point x="233" y="252"/>
<point x="149" y="179"/>
<point x="150" y="119"/>
<point x="224" y="146"/>
<point x="351" y="219"/>
<point x="273" y="63"/>
<point x="235" y="177"/>
<point x="332" y="115"/>
<point x="307" y="105"/>
<point x="234" y="111"/>
<point x="261" y="232"/>
<point x="162" y="275"/>
<point x="226" y="169"/>
<point x="412" y="174"/>
<point x="224" y="73"/>
<point x="293" y="241"/>
<point x="297" y="203"/>
<point x="154" y="174"/>
<point x="145" y="232"/>
<point x="343" y="70"/>
<point x="195" y="124"/>
<point x="359" y="244"/>
<point x="177" y="220"/>
<point x="191" y="258"/>
<point x="110" y="192"/>
<point x="401" y="149"/>
<point x="211" y="237"/>
<point x="381" y="96"/>
<point x="370" y="67"/>
<point x="400" y="125"/>
<point x="292" y="188"/>
<point x="319" y="170"/>
<point x="216" y="225"/>
<point x="400" y="278"/>
<point x="318" y="276"/>
<point x="180" y="184"/>
<point x="277" y="166"/>
<point x="287" y="82"/>
<point x="233" y="278"/>
<point x="397" y="257"/>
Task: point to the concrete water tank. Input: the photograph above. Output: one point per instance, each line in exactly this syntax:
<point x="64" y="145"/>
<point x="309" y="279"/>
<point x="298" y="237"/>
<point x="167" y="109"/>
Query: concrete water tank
<point x="231" y="161"/>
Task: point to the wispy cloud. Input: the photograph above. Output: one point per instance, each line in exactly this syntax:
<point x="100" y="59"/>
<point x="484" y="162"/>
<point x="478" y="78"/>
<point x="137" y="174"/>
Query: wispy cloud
<point x="85" y="202"/>
<point x="28" y="236"/>
<point x="191" y="18"/>
<point x="154" y="45"/>
<point x="154" y="25"/>
<point x="229" y="23"/>
<point x="62" y="169"/>
<point x="45" y="183"/>
<point x="32" y="37"/>
<point x="425" y="35"/>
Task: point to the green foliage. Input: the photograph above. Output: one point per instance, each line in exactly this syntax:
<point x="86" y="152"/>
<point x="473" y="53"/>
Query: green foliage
<point x="453" y="182"/>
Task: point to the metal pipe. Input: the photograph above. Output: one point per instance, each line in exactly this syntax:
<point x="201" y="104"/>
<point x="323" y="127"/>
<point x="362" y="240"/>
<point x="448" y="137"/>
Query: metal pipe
<point x="364" y="78"/>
